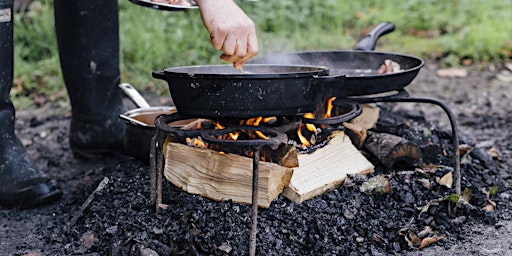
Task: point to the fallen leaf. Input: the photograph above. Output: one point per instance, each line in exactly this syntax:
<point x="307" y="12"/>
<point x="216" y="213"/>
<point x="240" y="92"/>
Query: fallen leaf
<point x="376" y="184"/>
<point x="163" y="206"/>
<point x="225" y="248"/>
<point x="489" y="207"/>
<point x="427" y="231"/>
<point x="425" y="183"/>
<point x="466" y="195"/>
<point x="87" y="239"/>
<point x="429" y="168"/>
<point x="463" y="149"/>
<point x="466" y="159"/>
<point x="458" y="221"/>
<point x="423" y="209"/>
<point x="158" y="231"/>
<point x="428" y="241"/>
<point x="452" y="73"/>
<point x="446" y="180"/>
<point x="144" y="251"/>
<point x="495" y="154"/>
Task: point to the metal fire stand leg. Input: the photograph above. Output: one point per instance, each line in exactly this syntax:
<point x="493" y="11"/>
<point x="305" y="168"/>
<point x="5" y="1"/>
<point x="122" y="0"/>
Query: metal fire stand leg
<point x="455" y="135"/>
<point x="157" y="168"/>
<point x="255" y="166"/>
<point x="453" y="123"/>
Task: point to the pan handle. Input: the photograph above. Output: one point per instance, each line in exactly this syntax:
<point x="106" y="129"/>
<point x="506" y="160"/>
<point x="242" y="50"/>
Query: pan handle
<point x="134" y="95"/>
<point x="369" y="41"/>
<point x="159" y="74"/>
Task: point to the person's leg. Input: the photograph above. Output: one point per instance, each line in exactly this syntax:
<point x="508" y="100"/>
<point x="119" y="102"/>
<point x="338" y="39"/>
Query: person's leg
<point x="88" y="41"/>
<point x="21" y="184"/>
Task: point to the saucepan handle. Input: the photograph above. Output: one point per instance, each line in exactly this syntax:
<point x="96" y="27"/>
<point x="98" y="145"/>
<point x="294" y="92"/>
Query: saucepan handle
<point x="134" y="95"/>
<point x="369" y="41"/>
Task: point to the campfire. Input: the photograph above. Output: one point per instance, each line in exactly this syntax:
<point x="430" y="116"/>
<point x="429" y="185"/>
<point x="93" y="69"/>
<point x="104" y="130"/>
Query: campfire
<point x="259" y="116"/>
<point x="301" y="156"/>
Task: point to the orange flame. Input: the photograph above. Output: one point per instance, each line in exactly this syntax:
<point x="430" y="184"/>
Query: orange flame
<point x="310" y="127"/>
<point x="234" y="135"/>
<point x="255" y="121"/>
<point x="269" y="119"/>
<point x="218" y="126"/>
<point x="261" y="135"/>
<point x="302" y="139"/>
<point x="195" y="142"/>
<point x="329" y="107"/>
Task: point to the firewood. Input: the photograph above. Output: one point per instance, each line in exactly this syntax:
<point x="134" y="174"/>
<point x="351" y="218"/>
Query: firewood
<point x="357" y="127"/>
<point x="393" y="152"/>
<point x="286" y="156"/>
<point x="222" y="176"/>
<point x="326" y="168"/>
<point x="194" y="124"/>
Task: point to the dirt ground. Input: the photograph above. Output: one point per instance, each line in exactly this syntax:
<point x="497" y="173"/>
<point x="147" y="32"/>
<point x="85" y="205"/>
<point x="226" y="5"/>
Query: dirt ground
<point x="121" y="221"/>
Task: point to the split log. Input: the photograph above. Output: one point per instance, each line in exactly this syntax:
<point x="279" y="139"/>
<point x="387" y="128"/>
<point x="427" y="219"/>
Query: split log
<point x="357" y="127"/>
<point x="285" y="155"/>
<point x="222" y="176"/>
<point x="326" y="168"/>
<point x="392" y="151"/>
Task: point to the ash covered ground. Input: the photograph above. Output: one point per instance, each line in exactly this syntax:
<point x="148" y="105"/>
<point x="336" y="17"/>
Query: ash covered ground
<point x="121" y="220"/>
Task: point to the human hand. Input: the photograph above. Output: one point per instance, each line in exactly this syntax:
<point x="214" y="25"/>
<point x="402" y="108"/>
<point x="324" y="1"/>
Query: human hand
<point x="231" y="30"/>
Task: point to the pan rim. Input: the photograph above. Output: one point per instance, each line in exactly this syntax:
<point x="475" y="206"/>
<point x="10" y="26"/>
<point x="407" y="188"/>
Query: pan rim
<point x="315" y="70"/>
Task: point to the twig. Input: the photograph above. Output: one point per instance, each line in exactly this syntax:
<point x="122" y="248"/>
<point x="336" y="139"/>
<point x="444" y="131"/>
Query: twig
<point x="87" y="202"/>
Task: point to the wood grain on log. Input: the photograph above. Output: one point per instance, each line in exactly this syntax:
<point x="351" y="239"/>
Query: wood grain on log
<point x="357" y="127"/>
<point x="326" y="168"/>
<point x="222" y="176"/>
<point x="392" y="151"/>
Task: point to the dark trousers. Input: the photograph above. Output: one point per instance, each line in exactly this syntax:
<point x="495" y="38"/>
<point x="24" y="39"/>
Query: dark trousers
<point x="6" y="55"/>
<point x="88" y="41"/>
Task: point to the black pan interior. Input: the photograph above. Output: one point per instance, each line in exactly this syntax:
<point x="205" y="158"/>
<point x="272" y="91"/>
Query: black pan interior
<point x="349" y="63"/>
<point x="248" y="70"/>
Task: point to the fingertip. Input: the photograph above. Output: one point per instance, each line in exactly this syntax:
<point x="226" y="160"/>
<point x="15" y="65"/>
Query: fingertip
<point x="239" y="64"/>
<point x="217" y="44"/>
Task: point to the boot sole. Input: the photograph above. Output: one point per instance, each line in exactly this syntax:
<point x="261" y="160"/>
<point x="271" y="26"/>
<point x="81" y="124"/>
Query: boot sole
<point x="37" y="195"/>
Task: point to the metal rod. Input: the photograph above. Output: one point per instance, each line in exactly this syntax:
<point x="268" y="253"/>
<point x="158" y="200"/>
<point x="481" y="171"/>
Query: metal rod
<point x="453" y="123"/>
<point x="160" y="168"/>
<point x="254" y="227"/>
<point x="153" y="169"/>
<point x="455" y="138"/>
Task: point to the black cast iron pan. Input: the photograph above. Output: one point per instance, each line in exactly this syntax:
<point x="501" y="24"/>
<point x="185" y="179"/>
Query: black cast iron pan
<point x="261" y="90"/>
<point x="360" y="65"/>
<point x="182" y="5"/>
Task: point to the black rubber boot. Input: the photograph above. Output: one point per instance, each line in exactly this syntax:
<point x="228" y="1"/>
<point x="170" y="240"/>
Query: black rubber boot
<point x="88" y="40"/>
<point x="21" y="185"/>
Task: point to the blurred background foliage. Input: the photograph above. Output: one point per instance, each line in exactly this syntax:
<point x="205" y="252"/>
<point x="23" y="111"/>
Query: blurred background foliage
<point x="450" y="32"/>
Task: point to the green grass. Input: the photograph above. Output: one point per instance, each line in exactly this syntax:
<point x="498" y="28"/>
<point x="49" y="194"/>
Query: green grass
<point x="449" y="30"/>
